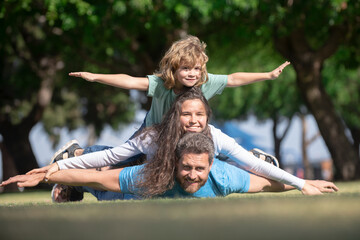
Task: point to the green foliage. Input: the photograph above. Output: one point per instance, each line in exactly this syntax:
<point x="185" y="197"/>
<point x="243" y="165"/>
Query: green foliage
<point x="270" y="99"/>
<point x="118" y="36"/>
<point x="56" y="37"/>
<point x="343" y="84"/>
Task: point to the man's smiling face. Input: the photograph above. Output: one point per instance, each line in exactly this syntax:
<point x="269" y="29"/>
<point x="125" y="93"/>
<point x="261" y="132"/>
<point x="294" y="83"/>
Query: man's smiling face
<point x="193" y="171"/>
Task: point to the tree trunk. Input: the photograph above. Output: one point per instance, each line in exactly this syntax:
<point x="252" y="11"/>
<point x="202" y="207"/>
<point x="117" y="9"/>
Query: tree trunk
<point x="331" y="126"/>
<point x="16" y="141"/>
<point x="8" y="167"/>
<point x="308" y="64"/>
<point x="308" y="173"/>
<point x="279" y="138"/>
<point x="277" y="143"/>
<point x="355" y="133"/>
<point x="16" y="136"/>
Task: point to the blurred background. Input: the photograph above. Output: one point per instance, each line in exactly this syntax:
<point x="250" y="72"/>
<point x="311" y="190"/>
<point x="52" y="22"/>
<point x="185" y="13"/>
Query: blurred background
<point x="309" y="118"/>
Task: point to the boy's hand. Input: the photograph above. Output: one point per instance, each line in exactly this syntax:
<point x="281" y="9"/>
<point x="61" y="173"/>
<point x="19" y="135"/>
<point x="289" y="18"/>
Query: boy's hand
<point x="85" y="75"/>
<point x="276" y="73"/>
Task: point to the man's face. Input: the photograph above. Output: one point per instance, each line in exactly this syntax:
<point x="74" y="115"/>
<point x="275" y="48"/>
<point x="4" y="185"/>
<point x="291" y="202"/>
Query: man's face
<point x="193" y="116"/>
<point x="193" y="171"/>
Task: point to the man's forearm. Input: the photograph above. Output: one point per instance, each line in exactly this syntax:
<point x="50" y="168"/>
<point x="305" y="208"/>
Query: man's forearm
<point x="275" y="186"/>
<point x="104" y="180"/>
<point x="261" y="184"/>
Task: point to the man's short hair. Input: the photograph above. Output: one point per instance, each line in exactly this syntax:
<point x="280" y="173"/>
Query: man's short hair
<point x="195" y="143"/>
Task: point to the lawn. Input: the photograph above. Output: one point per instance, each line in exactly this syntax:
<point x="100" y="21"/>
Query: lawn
<point x="31" y="215"/>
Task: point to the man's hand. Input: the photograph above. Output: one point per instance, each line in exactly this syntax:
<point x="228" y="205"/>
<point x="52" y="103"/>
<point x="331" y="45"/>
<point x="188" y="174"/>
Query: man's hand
<point x="276" y="73"/>
<point x="25" y="180"/>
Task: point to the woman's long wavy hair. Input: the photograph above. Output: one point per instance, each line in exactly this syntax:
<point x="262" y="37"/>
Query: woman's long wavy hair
<point x="188" y="51"/>
<point x="157" y="176"/>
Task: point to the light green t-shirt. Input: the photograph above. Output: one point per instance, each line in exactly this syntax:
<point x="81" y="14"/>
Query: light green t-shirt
<point x="163" y="98"/>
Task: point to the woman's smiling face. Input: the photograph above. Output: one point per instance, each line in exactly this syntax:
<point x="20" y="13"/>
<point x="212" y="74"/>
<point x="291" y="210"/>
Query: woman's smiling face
<point x="193" y="117"/>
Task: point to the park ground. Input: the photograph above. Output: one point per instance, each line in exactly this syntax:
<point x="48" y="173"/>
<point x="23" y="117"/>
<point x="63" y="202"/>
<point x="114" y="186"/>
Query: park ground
<point x="32" y="215"/>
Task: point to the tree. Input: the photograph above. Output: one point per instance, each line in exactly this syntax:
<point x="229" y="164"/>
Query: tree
<point x="342" y="81"/>
<point x="44" y="40"/>
<point x="306" y="33"/>
<point x="307" y="41"/>
<point x="276" y="100"/>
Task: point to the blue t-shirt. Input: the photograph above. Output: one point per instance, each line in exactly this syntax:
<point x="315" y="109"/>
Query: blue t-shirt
<point x="223" y="180"/>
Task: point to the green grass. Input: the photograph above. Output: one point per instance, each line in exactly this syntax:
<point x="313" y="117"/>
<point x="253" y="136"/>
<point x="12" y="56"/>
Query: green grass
<point x="31" y="215"/>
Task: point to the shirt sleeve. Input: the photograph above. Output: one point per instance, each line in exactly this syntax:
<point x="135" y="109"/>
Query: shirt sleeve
<point x="229" y="147"/>
<point x="111" y="156"/>
<point x="128" y="178"/>
<point x="215" y="85"/>
<point x="230" y="179"/>
<point x="154" y="83"/>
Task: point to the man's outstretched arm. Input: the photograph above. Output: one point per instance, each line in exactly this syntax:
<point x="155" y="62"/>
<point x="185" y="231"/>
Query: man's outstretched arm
<point x="102" y="180"/>
<point x="260" y="184"/>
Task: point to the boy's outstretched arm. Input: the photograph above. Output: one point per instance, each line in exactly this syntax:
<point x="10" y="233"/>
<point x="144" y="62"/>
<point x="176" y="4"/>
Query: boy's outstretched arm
<point x="243" y="78"/>
<point x="117" y="80"/>
<point x="102" y="180"/>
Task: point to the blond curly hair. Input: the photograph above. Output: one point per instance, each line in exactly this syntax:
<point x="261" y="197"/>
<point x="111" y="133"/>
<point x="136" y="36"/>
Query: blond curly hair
<point x="187" y="51"/>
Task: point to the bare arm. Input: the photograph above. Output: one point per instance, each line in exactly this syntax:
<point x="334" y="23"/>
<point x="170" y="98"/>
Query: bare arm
<point x="261" y="184"/>
<point x="116" y="80"/>
<point x="243" y="78"/>
<point x="102" y="180"/>
<point x="311" y="187"/>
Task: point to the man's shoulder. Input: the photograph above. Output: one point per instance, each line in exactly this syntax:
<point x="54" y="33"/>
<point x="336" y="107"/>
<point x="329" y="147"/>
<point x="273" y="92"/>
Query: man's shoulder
<point x="228" y="178"/>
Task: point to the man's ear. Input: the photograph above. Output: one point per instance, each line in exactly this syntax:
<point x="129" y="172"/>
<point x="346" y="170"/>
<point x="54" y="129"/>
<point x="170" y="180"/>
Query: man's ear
<point x="211" y="163"/>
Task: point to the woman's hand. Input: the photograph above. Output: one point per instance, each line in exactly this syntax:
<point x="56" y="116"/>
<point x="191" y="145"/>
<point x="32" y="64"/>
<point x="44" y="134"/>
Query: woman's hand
<point x="39" y="170"/>
<point x="324" y="186"/>
<point x="54" y="168"/>
<point x="318" y="187"/>
<point x="48" y="170"/>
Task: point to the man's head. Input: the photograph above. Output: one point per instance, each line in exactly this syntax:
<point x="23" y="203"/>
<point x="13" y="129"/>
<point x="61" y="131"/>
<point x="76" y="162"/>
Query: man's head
<point x="194" y="153"/>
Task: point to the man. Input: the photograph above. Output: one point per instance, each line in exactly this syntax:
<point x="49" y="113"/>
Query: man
<point x="197" y="175"/>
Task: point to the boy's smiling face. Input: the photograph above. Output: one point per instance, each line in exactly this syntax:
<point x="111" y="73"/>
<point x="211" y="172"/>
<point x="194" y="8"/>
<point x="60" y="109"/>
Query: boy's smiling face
<point x="187" y="75"/>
